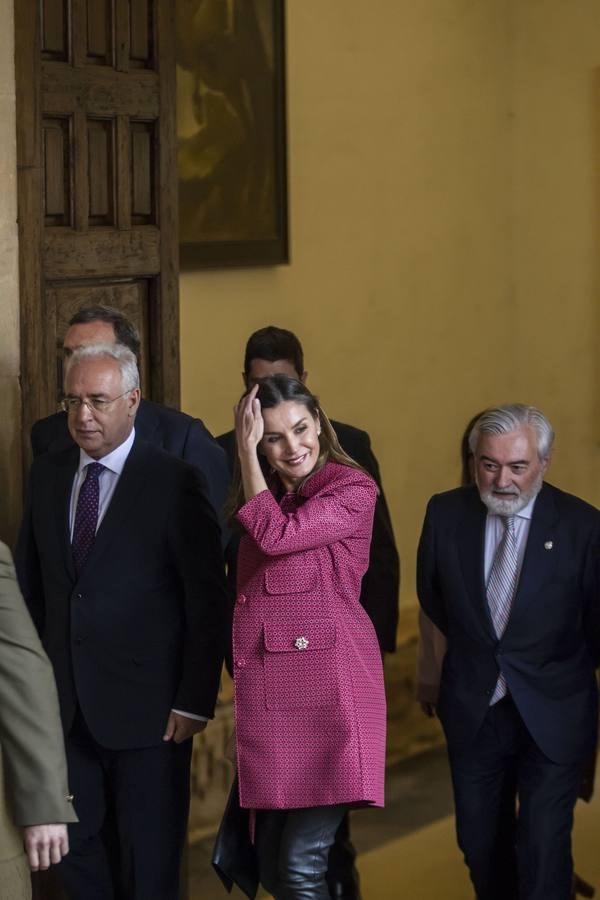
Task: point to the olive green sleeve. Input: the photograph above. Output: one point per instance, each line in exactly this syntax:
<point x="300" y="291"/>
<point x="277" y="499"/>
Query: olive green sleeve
<point x="30" y="731"/>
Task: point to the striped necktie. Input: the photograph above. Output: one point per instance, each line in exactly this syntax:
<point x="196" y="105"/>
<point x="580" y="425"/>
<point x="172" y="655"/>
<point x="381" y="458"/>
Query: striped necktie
<point x="501" y="588"/>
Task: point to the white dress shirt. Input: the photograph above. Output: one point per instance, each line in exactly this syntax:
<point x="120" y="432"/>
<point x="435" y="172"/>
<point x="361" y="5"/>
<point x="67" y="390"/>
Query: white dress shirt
<point x="494" y="529"/>
<point x="114" y="463"/>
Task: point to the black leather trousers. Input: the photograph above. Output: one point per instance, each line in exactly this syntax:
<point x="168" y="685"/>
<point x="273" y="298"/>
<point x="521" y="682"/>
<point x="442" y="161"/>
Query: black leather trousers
<point x="293" y="850"/>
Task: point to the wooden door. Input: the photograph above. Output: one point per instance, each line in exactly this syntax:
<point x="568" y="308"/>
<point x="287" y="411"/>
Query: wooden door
<point x="97" y="183"/>
<point x="97" y="187"/>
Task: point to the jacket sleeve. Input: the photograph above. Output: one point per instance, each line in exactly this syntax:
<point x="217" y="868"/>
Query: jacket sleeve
<point x="381" y="582"/>
<point x="333" y="514"/>
<point x="28" y="562"/>
<point x="202" y="451"/>
<point x="591" y="593"/>
<point x="430" y="656"/>
<point x="198" y="557"/>
<point x="30" y="730"/>
<point x="428" y="587"/>
<point x="39" y="443"/>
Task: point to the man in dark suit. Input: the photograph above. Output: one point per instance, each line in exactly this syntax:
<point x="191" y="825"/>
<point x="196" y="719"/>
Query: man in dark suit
<point x="170" y="429"/>
<point x="120" y="563"/>
<point x="508" y="571"/>
<point x="272" y="351"/>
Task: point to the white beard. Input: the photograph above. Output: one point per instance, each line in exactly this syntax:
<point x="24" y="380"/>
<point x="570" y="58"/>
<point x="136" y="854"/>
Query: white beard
<point x="512" y="503"/>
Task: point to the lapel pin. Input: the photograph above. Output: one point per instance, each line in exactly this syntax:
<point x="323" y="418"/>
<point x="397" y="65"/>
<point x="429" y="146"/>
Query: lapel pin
<point x="548" y="545"/>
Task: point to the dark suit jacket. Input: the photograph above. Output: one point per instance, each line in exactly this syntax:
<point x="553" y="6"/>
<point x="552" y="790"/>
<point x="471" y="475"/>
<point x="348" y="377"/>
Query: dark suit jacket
<point x="170" y="429"/>
<point x="141" y="630"/>
<point x="551" y="645"/>
<point x="381" y="582"/>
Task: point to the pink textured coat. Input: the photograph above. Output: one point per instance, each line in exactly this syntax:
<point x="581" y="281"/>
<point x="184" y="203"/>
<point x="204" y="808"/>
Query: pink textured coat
<point x="309" y="695"/>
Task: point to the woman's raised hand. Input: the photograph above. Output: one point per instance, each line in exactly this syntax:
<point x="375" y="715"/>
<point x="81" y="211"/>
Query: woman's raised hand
<point x="249" y="423"/>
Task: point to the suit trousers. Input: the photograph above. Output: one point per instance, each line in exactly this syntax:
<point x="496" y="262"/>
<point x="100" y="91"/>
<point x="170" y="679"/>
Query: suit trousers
<point x="133" y="809"/>
<point x="293" y="848"/>
<point x="531" y="860"/>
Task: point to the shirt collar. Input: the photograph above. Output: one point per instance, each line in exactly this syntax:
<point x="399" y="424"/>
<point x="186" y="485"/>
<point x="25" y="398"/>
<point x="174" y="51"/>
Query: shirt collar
<point x="115" y="460"/>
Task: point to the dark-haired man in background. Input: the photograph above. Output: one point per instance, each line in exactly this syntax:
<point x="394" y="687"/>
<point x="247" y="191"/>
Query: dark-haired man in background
<point x="271" y="351"/>
<point x="170" y="429"/>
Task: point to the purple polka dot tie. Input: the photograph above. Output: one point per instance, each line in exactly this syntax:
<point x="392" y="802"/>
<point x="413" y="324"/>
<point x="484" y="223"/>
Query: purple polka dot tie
<point x="86" y="515"/>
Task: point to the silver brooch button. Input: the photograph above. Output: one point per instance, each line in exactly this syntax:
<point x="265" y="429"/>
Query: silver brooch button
<point x="301" y="643"/>
<point x="548" y="545"/>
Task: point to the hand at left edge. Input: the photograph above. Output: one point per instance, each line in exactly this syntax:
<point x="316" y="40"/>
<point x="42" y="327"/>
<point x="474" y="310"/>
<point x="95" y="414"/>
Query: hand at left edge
<point x="45" y="845"/>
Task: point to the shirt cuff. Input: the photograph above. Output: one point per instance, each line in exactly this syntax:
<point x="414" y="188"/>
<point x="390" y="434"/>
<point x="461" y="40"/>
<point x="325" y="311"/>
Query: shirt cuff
<point x="189" y="715"/>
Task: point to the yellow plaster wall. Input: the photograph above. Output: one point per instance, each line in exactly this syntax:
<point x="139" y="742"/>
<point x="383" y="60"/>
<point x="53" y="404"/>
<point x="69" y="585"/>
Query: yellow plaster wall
<point x="444" y="232"/>
<point x="555" y="190"/>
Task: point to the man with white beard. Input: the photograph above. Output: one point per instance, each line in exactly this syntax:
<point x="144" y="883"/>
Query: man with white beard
<point x="509" y="571"/>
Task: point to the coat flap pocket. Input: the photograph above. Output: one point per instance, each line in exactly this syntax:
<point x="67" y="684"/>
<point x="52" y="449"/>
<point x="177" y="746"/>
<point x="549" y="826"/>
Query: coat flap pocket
<point x="291" y="576"/>
<point x="304" y="635"/>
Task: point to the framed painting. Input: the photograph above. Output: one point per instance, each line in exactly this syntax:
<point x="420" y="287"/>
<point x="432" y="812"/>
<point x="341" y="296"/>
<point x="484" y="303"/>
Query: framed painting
<point x="231" y="133"/>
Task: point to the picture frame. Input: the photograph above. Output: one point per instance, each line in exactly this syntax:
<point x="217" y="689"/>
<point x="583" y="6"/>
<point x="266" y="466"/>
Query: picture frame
<point x="231" y="133"/>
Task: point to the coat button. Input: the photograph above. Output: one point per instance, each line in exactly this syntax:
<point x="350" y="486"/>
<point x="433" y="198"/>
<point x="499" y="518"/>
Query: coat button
<point x="241" y="598"/>
<point x="78" y="596"/>
<point x="240" y="663"/>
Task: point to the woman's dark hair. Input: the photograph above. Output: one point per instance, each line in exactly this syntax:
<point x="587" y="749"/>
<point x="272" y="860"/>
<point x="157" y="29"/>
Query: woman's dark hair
<point x="272" y="391"/>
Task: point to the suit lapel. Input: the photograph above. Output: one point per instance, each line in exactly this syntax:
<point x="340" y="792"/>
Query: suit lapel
<point x="539" y="560"/>
<point x="470" y="538"/>
<point x="131" y="482"/>
<point x="63" y="487"/>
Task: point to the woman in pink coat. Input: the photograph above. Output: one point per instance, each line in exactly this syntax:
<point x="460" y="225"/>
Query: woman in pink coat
<point x="309" y="695"/>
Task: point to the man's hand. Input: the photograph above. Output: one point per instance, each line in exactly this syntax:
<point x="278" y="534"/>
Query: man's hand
<point x="180" y="728"/>
<point x="45" y="844"/>
<point x="428" y="708"/>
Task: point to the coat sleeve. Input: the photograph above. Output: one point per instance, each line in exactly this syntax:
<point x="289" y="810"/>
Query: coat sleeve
<point x="335" y="513"/>
<point x="198" y="557"/>
<point x="30" y="730"/>
<point x="428" y="587"/>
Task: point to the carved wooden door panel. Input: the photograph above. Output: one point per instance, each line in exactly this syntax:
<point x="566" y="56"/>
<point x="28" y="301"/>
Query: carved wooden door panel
<point x="97" y="188"/>
<point x="97" y="182"/>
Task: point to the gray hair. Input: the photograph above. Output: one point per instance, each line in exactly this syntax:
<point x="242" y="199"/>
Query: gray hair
<point x="122" y="355"/>
<point x="507" y="418"/>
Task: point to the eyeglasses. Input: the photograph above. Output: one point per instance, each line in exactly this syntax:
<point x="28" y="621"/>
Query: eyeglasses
<point x="94" y="404"/>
